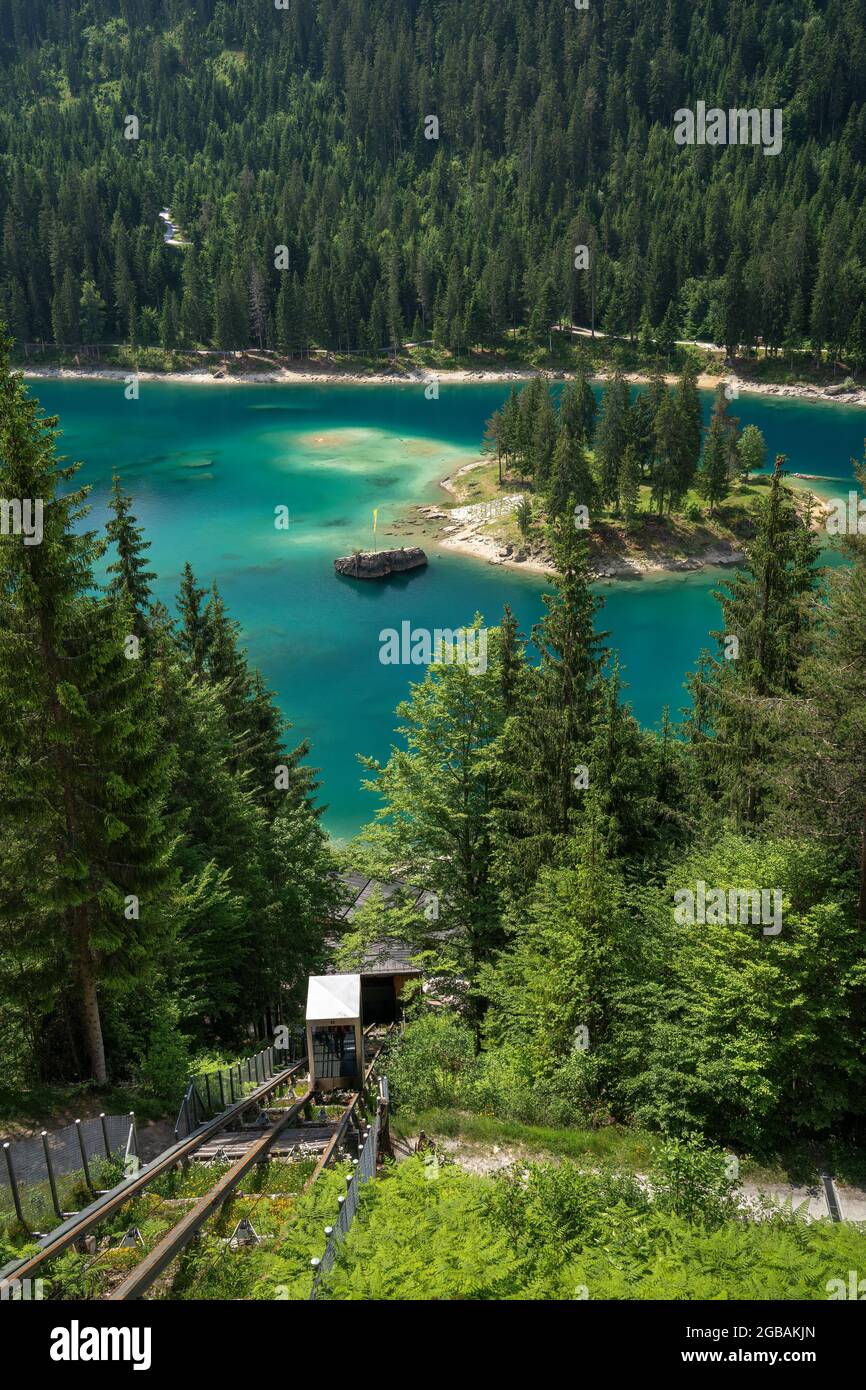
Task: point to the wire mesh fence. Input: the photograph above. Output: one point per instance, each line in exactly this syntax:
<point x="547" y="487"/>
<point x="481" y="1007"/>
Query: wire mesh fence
<point x="365" y="1169"/>
<point x="43" y="1177"/>
<point x="211" y="1092"/>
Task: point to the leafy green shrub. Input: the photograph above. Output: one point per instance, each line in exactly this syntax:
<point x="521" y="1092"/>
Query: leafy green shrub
<point x="561" y="1207"/>
<point x="504" y="1086"/>
<point x="433" y="1063"/>
<point x="165" y="1065"/>
<point x="693" y="1180"/>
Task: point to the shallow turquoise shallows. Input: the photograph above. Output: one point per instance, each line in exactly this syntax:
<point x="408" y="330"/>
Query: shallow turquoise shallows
<point x="209" y="465"/>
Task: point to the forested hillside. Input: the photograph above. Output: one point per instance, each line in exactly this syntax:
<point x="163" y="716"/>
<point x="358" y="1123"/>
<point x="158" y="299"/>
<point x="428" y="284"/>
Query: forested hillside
<point x="559" y="837"/>
<point x="306" y="128"/>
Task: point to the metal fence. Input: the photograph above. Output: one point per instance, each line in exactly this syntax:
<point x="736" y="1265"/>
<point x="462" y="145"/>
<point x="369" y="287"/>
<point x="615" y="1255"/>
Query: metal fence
<point x="44" y="1177"/>
<point x="211" y="1092"/>
<point x="365" y="1169"/>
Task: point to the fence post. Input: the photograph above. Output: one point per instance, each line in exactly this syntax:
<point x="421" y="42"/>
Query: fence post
<point x="52" y="1184"/>
<point x="207" y="1089"/>
<point x="382" y="1113"/>
<point x="83" y="1147"/>
<point x="189" y="1127"/>
<point x="105" y="1134"/>
<point x="7" y="1154"/>
<point x="222" y="1091"/>
<point x="131" y="1148"/>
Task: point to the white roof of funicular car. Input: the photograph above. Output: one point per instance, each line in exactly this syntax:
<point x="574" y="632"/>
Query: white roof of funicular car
<point x="331" y="998"/>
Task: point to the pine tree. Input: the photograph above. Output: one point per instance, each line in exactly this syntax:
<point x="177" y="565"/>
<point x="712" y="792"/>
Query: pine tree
<point x="192" y="637"/>
<point x="571" y="481"/>
<point x="766" y="611"/>
<point x="131" y="577"/>
<point x="613" y="438"/>
<point x="629" y="485"/>
<point x="578" y="407"/>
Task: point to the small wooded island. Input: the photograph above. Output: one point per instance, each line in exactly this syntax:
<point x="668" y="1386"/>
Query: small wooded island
<point x="378" y="564"/>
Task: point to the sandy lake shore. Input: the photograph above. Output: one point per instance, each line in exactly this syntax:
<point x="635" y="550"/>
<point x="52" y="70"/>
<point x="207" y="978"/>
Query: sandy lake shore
<point x="285" y="376"/>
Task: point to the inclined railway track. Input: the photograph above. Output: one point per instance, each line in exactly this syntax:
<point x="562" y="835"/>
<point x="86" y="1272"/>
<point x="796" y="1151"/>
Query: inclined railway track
<point x="257" y="1152"/>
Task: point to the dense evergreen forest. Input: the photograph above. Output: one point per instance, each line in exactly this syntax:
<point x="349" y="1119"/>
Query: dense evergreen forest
<point x="305" y="128"/>
<point x="164" y="880"/>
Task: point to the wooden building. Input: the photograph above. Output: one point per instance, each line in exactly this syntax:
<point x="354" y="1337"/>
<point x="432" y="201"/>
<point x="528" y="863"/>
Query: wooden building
<point x="387" y="966"/>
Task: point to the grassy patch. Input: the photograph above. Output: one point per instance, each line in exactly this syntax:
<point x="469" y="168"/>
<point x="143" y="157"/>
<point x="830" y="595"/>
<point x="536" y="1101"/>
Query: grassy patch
<point x="630" y="1150"/>
<point x="626" y="1148"/>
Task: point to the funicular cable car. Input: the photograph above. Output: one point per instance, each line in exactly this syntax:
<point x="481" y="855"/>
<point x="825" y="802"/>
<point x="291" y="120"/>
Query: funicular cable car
<point x="335" y="1032"/>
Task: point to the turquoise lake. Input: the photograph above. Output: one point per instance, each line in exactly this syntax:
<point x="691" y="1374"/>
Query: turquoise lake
<point x="208" y="465"/>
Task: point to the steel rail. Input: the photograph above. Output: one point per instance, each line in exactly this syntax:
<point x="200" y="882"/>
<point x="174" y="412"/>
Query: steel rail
<point x="347" y="1114"/>
<point x="174" y="1241"/>
<point x="77" y="1225"/>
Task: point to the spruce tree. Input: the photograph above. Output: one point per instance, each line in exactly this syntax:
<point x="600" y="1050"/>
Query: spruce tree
<point x="544" y="432"/>
<point x="571" y="481"/>
<point x="766" y="611"/>
<point x="546" y="741"/>
<point x="578" y="406"/>
<point x="131" y="577"/>
<point x="511" y="659"/>
<point x="714" y="478"/>
<point x="818" y="770"/>
<point x="688" y="427"/>
<point x="665" y="469"/>
<point x="629" y="485"/>
<point x="192" y="636"/>
<point x="613" y="438"/>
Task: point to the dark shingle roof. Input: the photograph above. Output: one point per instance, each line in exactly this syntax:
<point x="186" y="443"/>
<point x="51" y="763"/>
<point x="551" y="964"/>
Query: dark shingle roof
<point x="390" y="956"/>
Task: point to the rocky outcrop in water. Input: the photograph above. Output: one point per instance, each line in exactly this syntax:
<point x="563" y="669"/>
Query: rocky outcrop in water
<point x="378" y="564"/>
